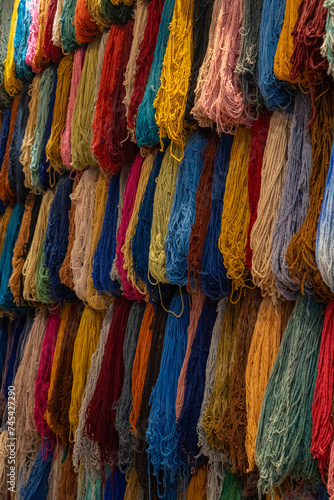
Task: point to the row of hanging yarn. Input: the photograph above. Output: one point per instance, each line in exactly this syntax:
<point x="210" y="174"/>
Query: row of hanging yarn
<point x="166" y="249"/>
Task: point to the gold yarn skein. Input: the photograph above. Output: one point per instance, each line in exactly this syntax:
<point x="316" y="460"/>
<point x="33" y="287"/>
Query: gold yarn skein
<point x="4" y="221"/>
<point x="12" y="84"/>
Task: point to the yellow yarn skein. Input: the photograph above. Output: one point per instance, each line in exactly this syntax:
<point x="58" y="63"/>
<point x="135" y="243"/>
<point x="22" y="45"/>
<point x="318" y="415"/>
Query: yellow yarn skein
<point x="12" y="84"/>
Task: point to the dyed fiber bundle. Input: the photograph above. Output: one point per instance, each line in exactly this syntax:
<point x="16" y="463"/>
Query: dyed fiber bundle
<point x="147" y="130"/>
<point x="4" y="221"/>
<point x="197" y="485"/>
<point x="116" y="486"/>
<point x="276" y="93"/>
<point x="200" y="33"/>
<point x="82" y="116"/>
<point x="65" y="272"/>
<point x="216" y="471"/>
<point x="51" y="51"/>
<point x="18" y="334"/>
<point x="84" y="347"/>
<point x="67" y="29"/>
<point x="43" y="377"/>
<point x="301" y="251"/>
<point x="126" y="248"/>
<point x="52" y="150"/>
<point x="96" y="15"/>
<point x="94" y="299"/>
<point x="3" y="400"/>
<point x="295" y="196"/>
<point x="232" y="487"/>
<point x="270" y="324"/>
<point x="22" y="70"/>
<point x="47" y="177"/>
<point x="195" y="313"/>
<point x="235" y="217"/>
<point x="59" y="395"/>
<point x="308" y="35"/>
<point x="22" y="246"/>
<point x="40" y="59"/>
<point x="33" y="31"/>
<point x="322" y="428"/>
<point x="86" y="452"/>
<point x="85" y="29"/>
<point x="152" y="372"/>
<point x="258" y="143"/>
<point x="116" y="13"/>
<point x="140" y="16"/>
<point x="84" y="198"/>
<point x="327" y="49"/>
<point x="4" y="131"/>
<point x="128" y="204"/>
<point x="110" y="143"/>
<point x="101" y="411"/>
<point x="106" y="247"/>
<point x="194" y="386"/>
<point x="29" y="271"/>
<point x="56" y="238"/>
<point x="203" y="212"/>
<point x="140" y="364"/>
<point x="68" y="484"/>
<point x="161" y="434"/>
<point x="273" y="173"/>
<point x="15" y="173"/>
<point x="123" y="411"/>
<point x="232" y="425"/>
<point x="29" y="134"/>
<point x="219" y="398"/>
<point x="183" y="211"/>
<point x="99" y="66"/>
<point x="285" y="46"/>
<point x="12" y="84"/>
<point x="5" y="24"/>
<point x="44" y="93"/>
<point x="248" y="62"/>
<point x="56" y="36"/>
<point x="170" y="102"/>
<point x="43" y="292"/>
<point x="144" y="61"/>
<point x="279" y="452"/>
<point x="213" y="278"/>
<point x="6" y="268"/>
<point x="162" y="206"/>
<point x="140" y="243"/>
<point x="37" y="486"/>
<point x="65" y="134"/>
<point x="6" y="194"/>
<point x="221" y="100"/>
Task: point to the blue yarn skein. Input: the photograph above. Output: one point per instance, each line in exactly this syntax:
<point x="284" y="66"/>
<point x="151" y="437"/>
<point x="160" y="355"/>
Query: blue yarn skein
<point x="44" y="175"/>
<point x="23" y="342"/>
<point x="194" y="388"/>
<point x="140" y="243"/>
<point x="15" y="172"/>
<point x="106" y="248"/>
<point x="4" y="132"/>
<point x="147" y="130"/>
<point x="276" y="93"/>
<point x="161" y="435"/>
<point x="56" y="239"/>
<point x="295" y="196"/>
<point x="3" y="344"/>
<point x="183" y="211"/>
<point x="18" y="332"/>
<point x="213" y="275"/>
<point x="115" y="487"/>
<point x="22" y="70"/>
<point x="6" y="268"/>
<point x="37" y="486"/>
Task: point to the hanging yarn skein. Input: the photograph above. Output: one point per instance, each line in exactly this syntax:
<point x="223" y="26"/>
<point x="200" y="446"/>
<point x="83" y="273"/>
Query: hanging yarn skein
<point x="162" y="206"/>
<point x="183" y="211"/>
<point x="110" y="142"/>
<point x="86" y="30"/>
<point x="301" y="252"/>
<point x="161" y="434"/>
<point x="12" y="84"/>
<point x="8" y="195"/>
<point x="235" y="217"/>
<point x="81" y="133"/>
<point x="40" y="59"/>
<point x="327" y="48"/>
<point x="147" y="130"/>
<point x="221" y="100"/>
<point x="276" y="93"/>
<point x="5" y="25"/>
<point x="258" y="144"/>
<point x="170" y="102"/>
<point x="22" y="70"/>
<point x="51" y="51"/>
<point x="272" y="181"/>
<point x="67" y="29"/>
<point x="144" y="61"/>
<point x="270" y="324"/>
<point x="288" y="400"/>
<point x="294" y="203"/>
